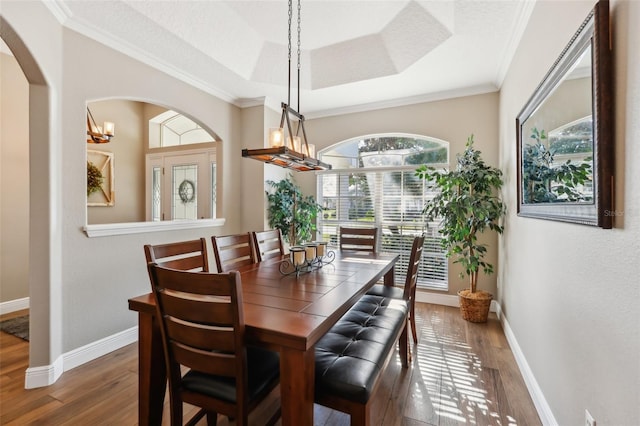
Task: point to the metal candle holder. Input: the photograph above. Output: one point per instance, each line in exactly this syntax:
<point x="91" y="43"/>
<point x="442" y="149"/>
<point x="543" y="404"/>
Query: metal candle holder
<point x="306" y="258"/>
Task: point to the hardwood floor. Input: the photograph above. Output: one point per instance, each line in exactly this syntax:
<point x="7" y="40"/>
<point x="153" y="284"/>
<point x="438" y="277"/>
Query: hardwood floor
<point x="461" y="373"/>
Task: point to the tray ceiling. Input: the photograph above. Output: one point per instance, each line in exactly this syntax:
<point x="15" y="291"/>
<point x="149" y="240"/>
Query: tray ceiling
<point x="356" y="54"/>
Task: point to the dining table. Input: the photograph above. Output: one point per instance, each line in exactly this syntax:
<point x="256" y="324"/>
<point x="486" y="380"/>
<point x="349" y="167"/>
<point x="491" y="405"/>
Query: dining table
<point x="285" y="311"/>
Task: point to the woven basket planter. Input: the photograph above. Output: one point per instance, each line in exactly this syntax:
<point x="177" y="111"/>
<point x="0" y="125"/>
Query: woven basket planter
<point x="475" y="309"/>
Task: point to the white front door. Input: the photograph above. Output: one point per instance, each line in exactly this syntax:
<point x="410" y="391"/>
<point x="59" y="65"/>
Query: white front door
<point x="181" y="186"/>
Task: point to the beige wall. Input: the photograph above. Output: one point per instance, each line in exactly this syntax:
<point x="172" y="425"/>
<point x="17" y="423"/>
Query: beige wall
<point x="272" y="173"/>
<point x="252" y="171"/>
<point x="451" y="120"/>
<point x="570" y="292"/>
<point x="14" y="181"/>
<point x="128" y="148"/>
<point x="256" y="123"/>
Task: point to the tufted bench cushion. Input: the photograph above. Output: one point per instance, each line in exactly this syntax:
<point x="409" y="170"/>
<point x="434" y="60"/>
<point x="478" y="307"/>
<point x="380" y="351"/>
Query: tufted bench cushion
<point x="351" y="356"/>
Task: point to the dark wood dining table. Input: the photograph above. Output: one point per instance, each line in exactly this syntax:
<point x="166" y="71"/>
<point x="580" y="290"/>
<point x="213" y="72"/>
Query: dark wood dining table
<point x="286" y="313"/>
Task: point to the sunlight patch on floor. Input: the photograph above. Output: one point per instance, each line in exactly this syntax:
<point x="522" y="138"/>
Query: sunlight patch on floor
<point x="453" y="377"/>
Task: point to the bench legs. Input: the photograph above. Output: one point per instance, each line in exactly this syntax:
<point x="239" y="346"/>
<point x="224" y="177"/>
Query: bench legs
<point x="360" y="415"/>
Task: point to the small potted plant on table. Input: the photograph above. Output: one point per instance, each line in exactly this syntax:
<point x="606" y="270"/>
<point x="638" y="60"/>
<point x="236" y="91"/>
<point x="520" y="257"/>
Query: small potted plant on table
<point x="467" y="204"/>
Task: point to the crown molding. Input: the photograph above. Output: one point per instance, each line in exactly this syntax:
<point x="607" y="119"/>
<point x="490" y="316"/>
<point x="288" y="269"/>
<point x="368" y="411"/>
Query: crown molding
<point x="59" y="10"/>
<point x="518" y="29"/>
<point x="63" y="14"/>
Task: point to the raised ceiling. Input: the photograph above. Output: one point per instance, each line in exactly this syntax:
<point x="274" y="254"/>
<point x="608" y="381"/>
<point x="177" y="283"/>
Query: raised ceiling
<point x="356" y="54"/>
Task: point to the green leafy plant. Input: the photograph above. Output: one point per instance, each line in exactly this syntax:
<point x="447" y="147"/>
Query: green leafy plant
<point x="467" y="204"/>
<point x="94" y="178"/>
<point x="291" y="212"/>
<point x="544" y="182"/>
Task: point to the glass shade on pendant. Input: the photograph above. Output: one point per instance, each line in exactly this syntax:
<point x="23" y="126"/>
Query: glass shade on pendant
<point x="311" y="151"/>
<point x="296" y="145"/>
<point x="276" y="137"/>
<point x="109" y="128"/>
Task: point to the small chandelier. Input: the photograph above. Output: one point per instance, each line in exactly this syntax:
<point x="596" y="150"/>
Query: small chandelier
<point x="287" y="148"/>
<point x="96" y="133"/>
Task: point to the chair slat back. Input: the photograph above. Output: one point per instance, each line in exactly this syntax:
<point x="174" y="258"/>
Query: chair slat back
<point x="268" y="244"/>
<point x="233" y="251"/>
<point x="182" y="255"/>
<point x="202" y="320"/>
<point x="411" y="281"/>
<point x="359" y="239"/>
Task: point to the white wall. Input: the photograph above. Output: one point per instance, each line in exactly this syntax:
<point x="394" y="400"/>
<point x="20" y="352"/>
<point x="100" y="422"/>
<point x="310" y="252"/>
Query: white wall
<point x="570" y="292"/>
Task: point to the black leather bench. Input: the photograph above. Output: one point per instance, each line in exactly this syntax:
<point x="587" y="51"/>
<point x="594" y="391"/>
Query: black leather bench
<point x="351" y="357"/>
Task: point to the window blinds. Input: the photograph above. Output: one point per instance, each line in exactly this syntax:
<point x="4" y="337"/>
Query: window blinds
<point x="392" y="200"/>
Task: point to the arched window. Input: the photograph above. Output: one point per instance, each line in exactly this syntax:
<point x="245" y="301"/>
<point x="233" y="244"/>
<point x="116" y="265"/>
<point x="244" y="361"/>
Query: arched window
<point x="373" y="183"/>
<point x="174" y="129"/>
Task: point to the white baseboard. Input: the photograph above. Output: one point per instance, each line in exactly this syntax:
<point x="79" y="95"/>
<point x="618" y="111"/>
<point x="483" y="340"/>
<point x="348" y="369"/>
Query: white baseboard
<point x="14" y="305"/>
<point x="46" y="375"/>
<point x="540" y="402"/>
<point x="96" y="349"/>
<point x="37" y="377"/>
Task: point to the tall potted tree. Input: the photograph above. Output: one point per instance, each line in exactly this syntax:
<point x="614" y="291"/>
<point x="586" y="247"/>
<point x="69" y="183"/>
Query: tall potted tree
<point x="291" y="212"/>
<point x="467" y="204"/>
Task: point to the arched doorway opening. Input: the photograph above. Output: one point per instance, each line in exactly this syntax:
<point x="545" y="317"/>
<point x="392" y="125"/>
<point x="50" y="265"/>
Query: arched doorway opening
<point x="44" y="243"/>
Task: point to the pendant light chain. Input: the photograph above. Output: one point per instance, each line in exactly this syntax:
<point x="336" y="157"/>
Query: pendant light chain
<point x="299" y="51"/>
<point x="289" y="54"/>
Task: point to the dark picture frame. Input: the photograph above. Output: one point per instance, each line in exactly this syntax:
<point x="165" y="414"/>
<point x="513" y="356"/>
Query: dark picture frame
<point x="596" y="207"/>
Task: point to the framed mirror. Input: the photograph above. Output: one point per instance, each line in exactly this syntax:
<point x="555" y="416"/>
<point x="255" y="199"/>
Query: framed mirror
<point x="565" y="133"/>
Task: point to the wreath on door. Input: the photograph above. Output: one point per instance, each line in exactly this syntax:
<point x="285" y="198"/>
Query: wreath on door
<point x="187" y="191"/>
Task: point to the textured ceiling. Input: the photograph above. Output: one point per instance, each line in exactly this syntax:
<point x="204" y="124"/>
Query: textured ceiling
<point x="356" y="54"/>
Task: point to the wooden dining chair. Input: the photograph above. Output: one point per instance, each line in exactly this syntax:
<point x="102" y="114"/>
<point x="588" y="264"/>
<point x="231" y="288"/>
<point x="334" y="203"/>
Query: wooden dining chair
<point x="233" y="251"/>
<point x="183" y="255"/>
<point x="358" y="239"/>
<point x="203" y="335"/>
<point x="407" y="293"/>
<point x="268" y="244"/>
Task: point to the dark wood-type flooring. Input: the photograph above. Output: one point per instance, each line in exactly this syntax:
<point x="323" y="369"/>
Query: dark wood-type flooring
<point x="461" y="373"/>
